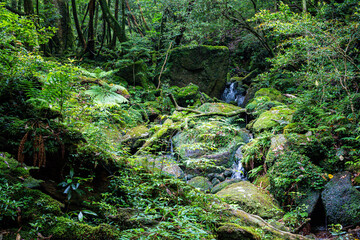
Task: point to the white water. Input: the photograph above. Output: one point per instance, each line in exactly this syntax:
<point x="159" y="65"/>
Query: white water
<point x="232" y="94"/>
<point x="238" y="169"/>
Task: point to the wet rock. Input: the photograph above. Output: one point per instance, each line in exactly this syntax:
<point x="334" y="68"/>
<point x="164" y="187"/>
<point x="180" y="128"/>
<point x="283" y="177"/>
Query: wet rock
<point x="341" y="201"/>
<point x="161" y="164"/>
<point x="223" y="185"/>
<point x="215" y="181"/>
<point x="228" y="173"/>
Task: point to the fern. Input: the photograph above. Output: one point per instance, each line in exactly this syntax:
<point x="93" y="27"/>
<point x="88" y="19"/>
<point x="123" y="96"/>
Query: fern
<point x="98" y="73"/>
<point x="107" y="95"/>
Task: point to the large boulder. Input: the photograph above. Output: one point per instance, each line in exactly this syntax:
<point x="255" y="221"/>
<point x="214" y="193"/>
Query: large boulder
<point x="341" y="201"/>
<point x="160" y="164"/>
<point x="205" y="66"/>
<point x="251" y="199"/>
<point x="276" y="116"/>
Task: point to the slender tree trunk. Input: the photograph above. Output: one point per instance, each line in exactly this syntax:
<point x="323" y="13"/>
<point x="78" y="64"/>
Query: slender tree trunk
<point x="113" y="41"/>
<point x="28" y="7"/>
<point x="77" y="24"/>
<point x="90" y="49"/>
<point x="118" y="31"/>
<point x="304" y="6"/>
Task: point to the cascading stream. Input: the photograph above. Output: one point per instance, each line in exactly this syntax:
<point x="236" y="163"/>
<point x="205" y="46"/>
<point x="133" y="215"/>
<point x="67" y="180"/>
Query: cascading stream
<point x="238" y="169"/>
<point x="233" y="94"/>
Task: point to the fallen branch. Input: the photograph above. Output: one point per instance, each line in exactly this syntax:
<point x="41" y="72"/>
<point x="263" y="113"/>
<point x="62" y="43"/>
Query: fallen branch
<point x="204" y="114"/>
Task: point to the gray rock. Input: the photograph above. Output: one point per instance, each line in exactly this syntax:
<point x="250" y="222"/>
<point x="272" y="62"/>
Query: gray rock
<point x="215" y="181"/>
<point x="228" y="173"/>
<point x="341" y="201"/>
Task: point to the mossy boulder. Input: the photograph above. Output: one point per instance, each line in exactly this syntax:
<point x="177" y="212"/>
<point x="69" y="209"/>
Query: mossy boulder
<point x="261" y="104"/>
<point x="201" y="183"/>
<point x="211" y="142"/>
<point x="341" y="201"/>
<point x="160" y="164"/>
<point x="276" y="116"/>
<point x="68" y="229"/>
<point x="271" y="93"/>
<point x="222" y="185"/>
<point x="232" y="231"/>
<point x="187" y="95"/>
<point x="135" y="135"/>
<point x="218" y="107"/>
<point x="205" y="66"/>
<point x="251" y="199"/>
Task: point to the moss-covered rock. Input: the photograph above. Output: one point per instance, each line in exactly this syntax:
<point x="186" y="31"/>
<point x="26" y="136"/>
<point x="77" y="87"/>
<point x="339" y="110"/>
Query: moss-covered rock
<point x="205" y="66"/>
<point x="261" y="104"/>
<point x="271" y="93"/>
<point x="201" y="183"/>
<point x="222" y="185"/>
<point x="251" y="199"/>
<point x="187" y="95"/>
<point x="218" y="107"/>
<point x="160" y="164"/>
<point x="232" y="231"/>
<point x="276" y="116"/>
<point x="68" y="229"/>
<point x="341" y="201"/>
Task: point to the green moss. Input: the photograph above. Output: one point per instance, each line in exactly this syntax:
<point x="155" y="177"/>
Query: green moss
<point x="276" y="116"/>
<point x="201" y="183"/>
<point x="262" y="181"/>
<point x="271" y="93"/>
<point x="40" y="204"/>
<point x="261" y="104"/>
<point x="218" y="107"/>
<point x="232" y="231"/>
<point x="223" y="185"/>
<point x="68" y="229"/>
<point x="10" y="166"/>
<point x="251" y="199"/>
<point x="187" y="95"/>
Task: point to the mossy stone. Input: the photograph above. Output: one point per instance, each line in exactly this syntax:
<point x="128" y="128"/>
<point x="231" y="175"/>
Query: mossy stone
<point x="218" y="107"/>
<point x="251" y="199"/>
<point x="68" y="229"/>
<point x="160" y="164"/>
<point x="222" y="185"/>
<point x="261" y="104"/>
<point x="187" y="95"/>
<point x="205" y="66"/>
<point x="232" y="231"/>
<point x="276" y="116"/>
<point x="272" y="93"/>
<point x="201" y="183"/>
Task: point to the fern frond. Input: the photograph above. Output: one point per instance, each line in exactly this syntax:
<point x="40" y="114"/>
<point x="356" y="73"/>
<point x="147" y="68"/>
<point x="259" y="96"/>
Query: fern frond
<point x="106" y="95"/>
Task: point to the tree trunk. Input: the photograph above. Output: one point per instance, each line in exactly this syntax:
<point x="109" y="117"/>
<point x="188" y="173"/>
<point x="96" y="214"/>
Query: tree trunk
<point x="77" y="24"/>
<point x="28" y="7"/>
<point x="113" y="41"/>
<point x="113" y="23"/>
<point x="90" y="49"/>
<point x="64" y="34"/>
<point x="304" y="6"/>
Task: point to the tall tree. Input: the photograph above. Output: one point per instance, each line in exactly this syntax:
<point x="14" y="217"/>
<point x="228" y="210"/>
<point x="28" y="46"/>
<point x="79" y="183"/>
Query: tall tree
<point x="77" y="24"/>
<point x="90" y="46"/>
<point x="113" y="23"/>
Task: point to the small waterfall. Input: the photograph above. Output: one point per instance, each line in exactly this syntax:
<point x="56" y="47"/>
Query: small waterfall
<point x="238" y="169"/>
<point x="233" y="94"/>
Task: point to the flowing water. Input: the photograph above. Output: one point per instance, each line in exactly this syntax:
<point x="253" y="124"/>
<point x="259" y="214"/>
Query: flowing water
<point x="238" y="169"/>
<point x="233" y="94"/>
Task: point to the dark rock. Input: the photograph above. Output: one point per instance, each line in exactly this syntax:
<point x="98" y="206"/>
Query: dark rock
<point x="211" y="176"/>
<point x="215" y="181"/>
<point x="205" y="66"/>
<point x="341" y="201"/>
<point x="220" y="177"/>
<point x="228" y="173"/>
